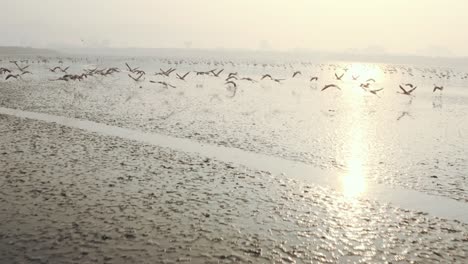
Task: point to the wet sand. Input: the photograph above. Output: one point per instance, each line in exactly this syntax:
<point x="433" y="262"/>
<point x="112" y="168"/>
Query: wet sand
<point x="69" y="196"/>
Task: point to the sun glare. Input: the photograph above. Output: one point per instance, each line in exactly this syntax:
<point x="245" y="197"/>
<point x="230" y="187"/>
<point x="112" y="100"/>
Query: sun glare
<point x="354" y="180"/>
<point x="365" y="71"/>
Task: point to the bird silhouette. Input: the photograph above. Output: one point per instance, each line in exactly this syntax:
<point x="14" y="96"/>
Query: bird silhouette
<point x="405" y="92"/>
<point x="296" y="73"/>
<point x="440" y="88"/>
<point x="183" y="76"/>
<point x="267" y="76"/>
<point x="339" y="77"/>
<point x="331" y="86"/>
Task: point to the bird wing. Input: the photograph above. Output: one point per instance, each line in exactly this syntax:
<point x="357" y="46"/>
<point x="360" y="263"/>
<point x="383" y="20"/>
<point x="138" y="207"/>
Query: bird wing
<point x="403" y="89"/>
<point x="329" y="86"/>
<point x="231" y="82"/>
<point x="10" y="76"/>
<point x="410" y="91"/>
<point x="132" y="77"/>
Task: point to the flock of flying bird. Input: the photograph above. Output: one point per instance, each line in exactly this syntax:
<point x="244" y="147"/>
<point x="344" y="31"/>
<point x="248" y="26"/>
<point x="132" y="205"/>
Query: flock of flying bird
<point x="231" y="81"/>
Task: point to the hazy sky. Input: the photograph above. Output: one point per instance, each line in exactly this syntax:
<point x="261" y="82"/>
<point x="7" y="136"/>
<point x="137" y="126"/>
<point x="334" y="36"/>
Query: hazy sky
<point x="398" y="26"/>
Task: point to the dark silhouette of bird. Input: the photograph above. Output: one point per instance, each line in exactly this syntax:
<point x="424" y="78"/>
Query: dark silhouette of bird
<point x="16" y="76"/>
<point x="136" y="79"/>
<point x="375" y="91"/>
<point x="4" y="70"/>
<point x="339" y="77"/>
<point x="232" y="74"/>
<point x="231" y="78"/>
<point x="296" y="73"/>
<point x="370" y="80"/>
<point x="232" y="83"/>
<point x="331" y="86"/>
<point x="440" y="88"/>
<point x="405" y="92"/>
<point x="216" y="74"/>
<point x="130" y="69"/>
<point x="364" y="85"/>
<point x="19" y="67"/>
<point x="314" y="79"/>
<point x="168" y="72"/>
<point x="248" y="79"/>
<point x="183" y="76"/>
<point x="165" y="84"/>
<point x="233" y="86"/>
<point x="267" y="76"/>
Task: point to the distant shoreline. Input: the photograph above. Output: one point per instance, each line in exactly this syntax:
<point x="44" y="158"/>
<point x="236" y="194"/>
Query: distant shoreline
<point x="263" y="56"/>
<point x="12" y="50"/>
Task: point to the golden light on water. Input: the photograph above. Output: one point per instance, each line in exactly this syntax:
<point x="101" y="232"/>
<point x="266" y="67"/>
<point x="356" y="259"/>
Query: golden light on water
<point x="354" y="182"/>
<point x="356" y="147"/>
<point x="365" y="71"/>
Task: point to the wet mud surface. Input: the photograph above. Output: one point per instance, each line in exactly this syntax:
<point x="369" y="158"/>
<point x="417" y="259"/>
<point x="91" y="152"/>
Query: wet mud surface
<point x="69" y="196"/>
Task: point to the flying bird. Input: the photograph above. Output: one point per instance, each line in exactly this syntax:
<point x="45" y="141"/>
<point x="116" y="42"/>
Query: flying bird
<point x="234" y="87"/>
<point x="314" y="79"/>
<point x="296" y="73"/>
<point x="440" y="88"/>
<point x="216" y="74"/>
<point x="231" y="77"/>
<point x="136" y="79"/>
<point x="339" y="77"/>
<point x="4" y="70"/>
<point x="183" y="76"/>
<point x="232" y="83"/>
<point x="405" y="92"/>
<point x="16" y="76"/>
<point x="331" y="86"/>
<point x="375" y="91"/>
<point x="165" y="84"/>
<point x="19" y="67"/>
<point x="248" y="79"/>
<point x="267" y="76"/>
<point x="130" y="69"/>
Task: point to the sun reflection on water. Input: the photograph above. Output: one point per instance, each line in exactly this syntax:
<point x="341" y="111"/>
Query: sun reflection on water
<point x="365" y="71"/>
<point x="354" y="180"/>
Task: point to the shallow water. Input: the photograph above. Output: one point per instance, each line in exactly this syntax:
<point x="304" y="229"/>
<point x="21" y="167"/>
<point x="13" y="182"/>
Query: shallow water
<point x="71" y="196"/>
<point x="345" y="181"/>
<point x="419" y="142"/>
<point x="108" y="169"/>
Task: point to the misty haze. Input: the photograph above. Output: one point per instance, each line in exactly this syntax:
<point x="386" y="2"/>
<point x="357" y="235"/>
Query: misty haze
<point x="233" y="131"/>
